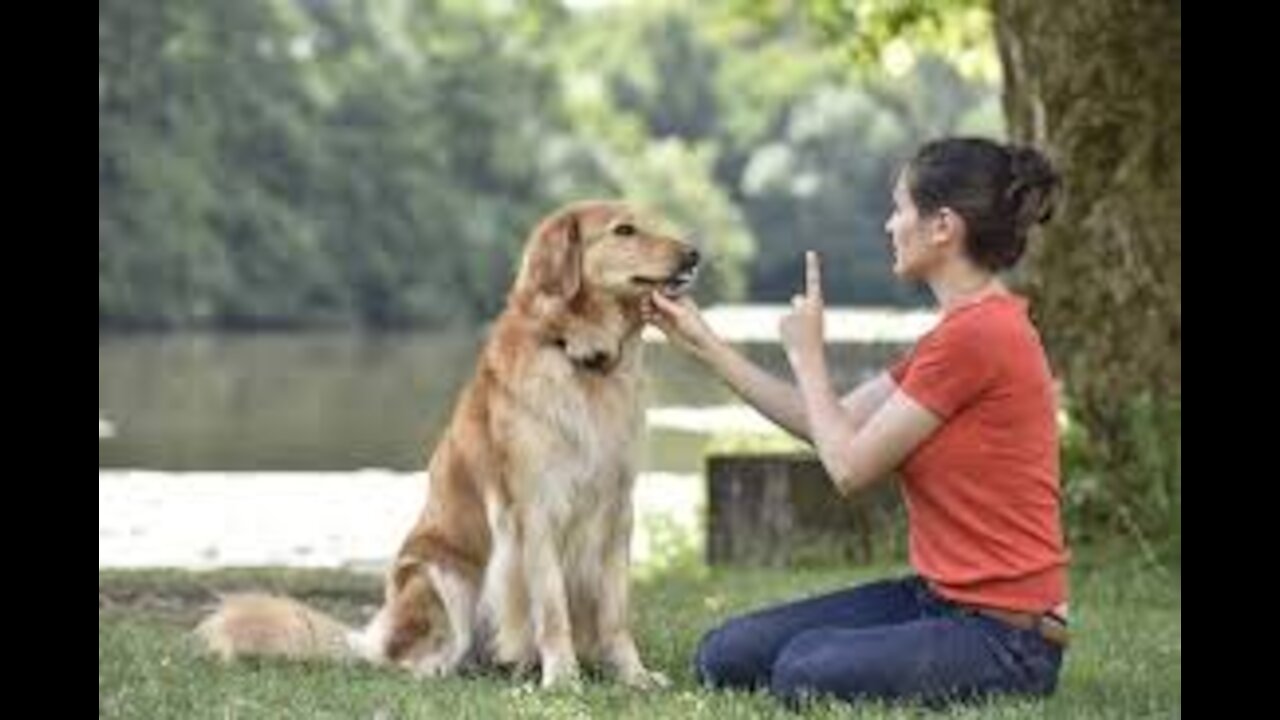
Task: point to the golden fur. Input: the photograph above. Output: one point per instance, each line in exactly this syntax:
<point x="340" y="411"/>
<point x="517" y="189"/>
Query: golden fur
<point x="520" y="555"/>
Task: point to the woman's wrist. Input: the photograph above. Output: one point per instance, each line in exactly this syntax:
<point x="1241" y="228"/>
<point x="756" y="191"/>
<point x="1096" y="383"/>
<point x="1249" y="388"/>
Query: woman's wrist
<point x="715" y="354"/>
<point x="811" y="374"/>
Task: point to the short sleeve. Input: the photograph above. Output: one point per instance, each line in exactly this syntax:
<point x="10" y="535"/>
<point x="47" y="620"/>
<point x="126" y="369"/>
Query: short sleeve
<point x="947" y="370"/>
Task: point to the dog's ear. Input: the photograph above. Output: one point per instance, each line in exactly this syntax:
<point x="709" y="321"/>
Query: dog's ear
<point x="553" y="258"/>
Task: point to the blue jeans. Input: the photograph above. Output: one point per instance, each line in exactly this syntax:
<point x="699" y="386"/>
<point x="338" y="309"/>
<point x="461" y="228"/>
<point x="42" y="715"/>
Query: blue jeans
<point x="888" y="640"/>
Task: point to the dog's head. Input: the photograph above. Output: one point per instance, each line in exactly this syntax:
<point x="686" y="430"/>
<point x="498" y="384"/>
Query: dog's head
<point x="603" y="248"/>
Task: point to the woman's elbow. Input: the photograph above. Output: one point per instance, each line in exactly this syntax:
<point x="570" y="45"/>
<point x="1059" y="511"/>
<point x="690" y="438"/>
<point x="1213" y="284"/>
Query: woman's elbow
<point x="844" y="477"/>
<point x="851" y="478"/>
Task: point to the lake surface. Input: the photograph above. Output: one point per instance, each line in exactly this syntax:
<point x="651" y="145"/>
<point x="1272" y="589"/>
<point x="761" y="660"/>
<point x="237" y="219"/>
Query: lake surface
<point x="346" y="401"/>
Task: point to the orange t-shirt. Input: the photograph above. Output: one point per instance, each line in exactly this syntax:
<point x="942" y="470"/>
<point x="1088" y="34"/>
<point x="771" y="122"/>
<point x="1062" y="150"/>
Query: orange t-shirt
<point x="982" y="492"/>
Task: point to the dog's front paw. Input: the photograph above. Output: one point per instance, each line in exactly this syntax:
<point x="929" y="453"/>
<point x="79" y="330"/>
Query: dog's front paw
<point x="642" y="679"/>
<point x="560" y="673"/>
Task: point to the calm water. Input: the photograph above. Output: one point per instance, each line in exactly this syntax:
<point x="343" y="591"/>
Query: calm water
<point x="341" y="401"/>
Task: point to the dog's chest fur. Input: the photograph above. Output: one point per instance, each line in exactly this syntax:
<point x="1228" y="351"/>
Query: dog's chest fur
<point x="584" y="452"/>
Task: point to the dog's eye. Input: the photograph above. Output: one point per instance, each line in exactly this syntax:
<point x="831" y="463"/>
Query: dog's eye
<point x="624" y="230"/>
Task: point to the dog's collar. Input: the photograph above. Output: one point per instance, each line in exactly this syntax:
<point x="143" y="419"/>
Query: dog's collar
<point x="599" y="361"/>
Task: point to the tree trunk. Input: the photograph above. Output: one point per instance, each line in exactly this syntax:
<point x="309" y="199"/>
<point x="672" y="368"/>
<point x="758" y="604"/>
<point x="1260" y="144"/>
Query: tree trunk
<point x="1098" y="84"/>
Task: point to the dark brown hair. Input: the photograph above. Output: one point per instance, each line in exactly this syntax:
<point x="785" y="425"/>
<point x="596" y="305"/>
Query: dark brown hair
<point x="1001" y="191"/>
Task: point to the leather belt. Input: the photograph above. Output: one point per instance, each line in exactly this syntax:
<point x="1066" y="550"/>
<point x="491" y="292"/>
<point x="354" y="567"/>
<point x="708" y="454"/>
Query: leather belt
<point x="1047" y="625"/>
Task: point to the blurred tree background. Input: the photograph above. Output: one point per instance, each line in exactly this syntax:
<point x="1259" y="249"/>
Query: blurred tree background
<point x="375" y="164"/>
<point x="300" y="163"/>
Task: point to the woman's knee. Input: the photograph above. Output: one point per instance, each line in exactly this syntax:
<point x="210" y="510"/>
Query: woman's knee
<point x="793" y="678"/>
<point x="730" y="656"/>
<point x="810" y="666"/>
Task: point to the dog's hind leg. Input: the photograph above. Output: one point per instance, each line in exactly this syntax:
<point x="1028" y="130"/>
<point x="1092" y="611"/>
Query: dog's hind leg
<point x="459" y="595"/>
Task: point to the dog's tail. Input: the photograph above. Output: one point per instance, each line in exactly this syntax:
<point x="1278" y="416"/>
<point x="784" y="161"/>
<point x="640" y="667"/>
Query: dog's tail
<point x="260" y="625"/>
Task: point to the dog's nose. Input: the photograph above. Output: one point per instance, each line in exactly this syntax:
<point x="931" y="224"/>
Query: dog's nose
<point x="690" y="260"/>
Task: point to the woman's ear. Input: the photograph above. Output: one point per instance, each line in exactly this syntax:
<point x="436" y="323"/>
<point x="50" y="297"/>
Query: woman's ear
<point x="948" y="226"/>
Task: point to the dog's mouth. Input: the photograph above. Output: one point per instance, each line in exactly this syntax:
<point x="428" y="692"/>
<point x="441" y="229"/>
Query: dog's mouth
<point x="672" y="285"/>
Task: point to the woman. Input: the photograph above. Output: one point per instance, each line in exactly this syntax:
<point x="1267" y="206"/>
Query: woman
<point x="967" y="418"/>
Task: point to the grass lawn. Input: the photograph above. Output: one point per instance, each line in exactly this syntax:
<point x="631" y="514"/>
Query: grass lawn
<point x="1125" y="661"/>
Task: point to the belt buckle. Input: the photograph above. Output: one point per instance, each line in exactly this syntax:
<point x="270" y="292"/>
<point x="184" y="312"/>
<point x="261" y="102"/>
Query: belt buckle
<point x="1053" y="628"/>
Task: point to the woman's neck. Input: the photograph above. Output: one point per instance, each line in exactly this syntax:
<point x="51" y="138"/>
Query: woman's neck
<point x="961" y="286"/>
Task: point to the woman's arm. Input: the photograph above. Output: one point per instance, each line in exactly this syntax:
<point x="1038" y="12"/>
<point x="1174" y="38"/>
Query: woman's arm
<point x="775" y="398"/>
<point x="854" y="453"/>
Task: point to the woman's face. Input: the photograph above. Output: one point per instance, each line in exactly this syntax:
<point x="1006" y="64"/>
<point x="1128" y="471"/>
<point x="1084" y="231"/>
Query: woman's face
<point x="916" y="251"/>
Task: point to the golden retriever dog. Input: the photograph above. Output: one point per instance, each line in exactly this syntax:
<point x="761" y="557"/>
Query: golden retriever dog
<point x="520" y="556"/>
